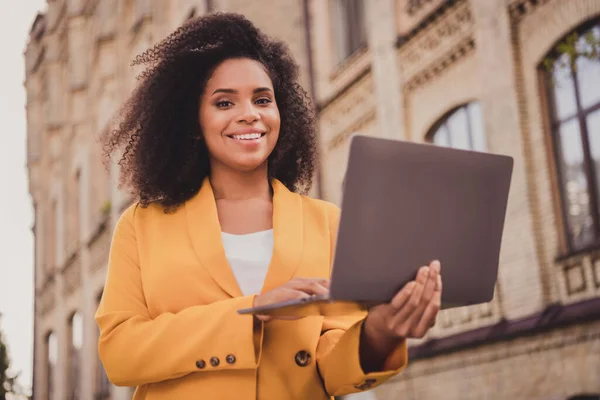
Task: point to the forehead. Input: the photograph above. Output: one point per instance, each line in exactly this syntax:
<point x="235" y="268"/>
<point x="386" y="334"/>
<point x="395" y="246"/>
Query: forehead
<point x="239" y="73"/>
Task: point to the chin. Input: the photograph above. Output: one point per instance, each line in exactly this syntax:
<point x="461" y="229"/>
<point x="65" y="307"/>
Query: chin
<point x="249" y="165"/>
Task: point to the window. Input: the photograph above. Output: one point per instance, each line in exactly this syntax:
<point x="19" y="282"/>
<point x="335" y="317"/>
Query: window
<point x="51" y="362"/>
<point x="76" y="333"/>
<point x="573" y="86"/>
<point x="349" y="30"/>
<point x="102" y="382"/>
<point x="462" y="128"/>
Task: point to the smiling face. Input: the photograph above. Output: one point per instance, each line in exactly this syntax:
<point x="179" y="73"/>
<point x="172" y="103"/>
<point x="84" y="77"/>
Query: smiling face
<point x="239" y="117"/>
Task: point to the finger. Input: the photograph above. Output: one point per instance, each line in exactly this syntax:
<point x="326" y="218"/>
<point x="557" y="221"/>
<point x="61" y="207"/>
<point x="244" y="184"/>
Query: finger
<point x="436" y="265"/>
<point x="430" y="285"/>
<point x="438" y="286"/>
<point x="415" y="317"/>
<point x="429" y="317"/>
<point x="422" y="275"/>
<point x="287" y="294"/>
<point x="403" y="295"/>
<point x="429" y="292"/>
<point x="321" y="281"/>
<point x="397" y="323"/>
<point x="309" y="286"/>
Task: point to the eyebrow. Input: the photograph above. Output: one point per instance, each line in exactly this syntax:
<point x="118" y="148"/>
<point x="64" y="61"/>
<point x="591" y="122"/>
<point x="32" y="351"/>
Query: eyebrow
<point x="233" y="91"/>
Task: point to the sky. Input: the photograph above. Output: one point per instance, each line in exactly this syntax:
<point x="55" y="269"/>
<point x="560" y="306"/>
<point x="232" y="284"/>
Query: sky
<point x="16" y="211"/>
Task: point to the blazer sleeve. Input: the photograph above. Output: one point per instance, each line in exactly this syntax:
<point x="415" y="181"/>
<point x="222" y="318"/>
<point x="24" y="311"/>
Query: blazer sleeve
<point x="338" y="348"/>
<point x="137" y="349"/>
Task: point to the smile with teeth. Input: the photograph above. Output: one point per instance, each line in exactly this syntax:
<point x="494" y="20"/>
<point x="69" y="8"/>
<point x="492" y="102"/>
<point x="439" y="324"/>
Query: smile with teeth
<point x="248" y="136"/>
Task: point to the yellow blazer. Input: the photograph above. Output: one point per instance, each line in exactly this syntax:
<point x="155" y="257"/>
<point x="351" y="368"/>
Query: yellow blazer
<point x="168" y="316"/>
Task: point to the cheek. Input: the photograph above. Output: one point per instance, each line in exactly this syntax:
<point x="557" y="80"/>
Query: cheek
<point x="274" y="120"/>
<point x="210" y="122"/>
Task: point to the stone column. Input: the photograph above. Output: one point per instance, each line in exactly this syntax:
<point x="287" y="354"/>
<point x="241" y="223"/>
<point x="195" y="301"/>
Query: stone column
<point x="381" y="37"/>
<point x="519" y="275"/>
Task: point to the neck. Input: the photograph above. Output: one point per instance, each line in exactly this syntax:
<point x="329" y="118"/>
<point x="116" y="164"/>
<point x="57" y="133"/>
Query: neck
<point x="228" y="184"/>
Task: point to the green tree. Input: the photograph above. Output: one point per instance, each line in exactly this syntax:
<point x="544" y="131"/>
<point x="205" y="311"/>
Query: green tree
<point x="6" y="383"/>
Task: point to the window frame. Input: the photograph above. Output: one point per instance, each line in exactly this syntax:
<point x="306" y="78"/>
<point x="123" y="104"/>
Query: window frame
<point x="50" y="367"/>
<point x="102" y="383"/>
<point x="443" y="122"/>
<point x="352" y="42"/>
<point x="75" y="358"/>
<point x="552" y="127"/>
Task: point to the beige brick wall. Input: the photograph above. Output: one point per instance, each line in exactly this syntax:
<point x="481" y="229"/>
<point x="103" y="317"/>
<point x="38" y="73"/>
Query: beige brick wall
<point x="284" y="20"/>
<point x="473" y="51"/>
<point x="552" y="366"/>
<point x="538" y="32"/>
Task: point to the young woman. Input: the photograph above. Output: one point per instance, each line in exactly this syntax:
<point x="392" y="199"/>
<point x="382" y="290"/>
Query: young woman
<point x="218" y="140"/>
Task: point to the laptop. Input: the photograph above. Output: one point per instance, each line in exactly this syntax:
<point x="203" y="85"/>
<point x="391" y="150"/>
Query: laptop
<point x="405" y="204"/>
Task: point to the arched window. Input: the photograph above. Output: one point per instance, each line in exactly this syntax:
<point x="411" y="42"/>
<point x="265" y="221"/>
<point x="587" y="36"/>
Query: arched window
<point x="573" y="83"/>
<point x="51" y="363"/>
<point x="461" y="128"/>
<point x="348" y="24"/>
<point x="76" y="333"/>
<point x="102" y="382"/>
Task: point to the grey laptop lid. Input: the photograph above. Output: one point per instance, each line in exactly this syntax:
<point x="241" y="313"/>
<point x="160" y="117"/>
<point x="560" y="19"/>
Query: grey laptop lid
<point x="405" y="204"/>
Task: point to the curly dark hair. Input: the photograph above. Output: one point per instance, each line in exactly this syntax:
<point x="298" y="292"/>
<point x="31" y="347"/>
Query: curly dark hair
<point x="163" y="161"/>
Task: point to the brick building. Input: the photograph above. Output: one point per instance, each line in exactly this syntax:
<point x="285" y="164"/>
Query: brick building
<point x="479" y="74"/>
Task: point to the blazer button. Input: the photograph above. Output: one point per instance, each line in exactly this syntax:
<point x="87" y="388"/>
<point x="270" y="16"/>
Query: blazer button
<point x="200" y="364"/>
<point x="302" y="358"/>
<point x="214" y="361"/>
<point x="230" y="359"/>
<point x="366" y="384"/>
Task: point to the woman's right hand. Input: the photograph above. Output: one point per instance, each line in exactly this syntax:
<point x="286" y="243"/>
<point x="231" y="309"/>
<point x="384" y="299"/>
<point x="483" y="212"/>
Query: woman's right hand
<point x="297" y="288"/>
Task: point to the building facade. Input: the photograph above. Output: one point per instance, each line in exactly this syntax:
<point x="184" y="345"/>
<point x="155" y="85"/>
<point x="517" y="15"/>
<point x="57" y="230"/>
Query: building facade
<point x="514" y="77"/>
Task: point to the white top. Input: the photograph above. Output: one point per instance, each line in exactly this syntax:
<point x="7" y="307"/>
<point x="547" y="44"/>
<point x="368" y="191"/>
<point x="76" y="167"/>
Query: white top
<point x="249" y="257"/>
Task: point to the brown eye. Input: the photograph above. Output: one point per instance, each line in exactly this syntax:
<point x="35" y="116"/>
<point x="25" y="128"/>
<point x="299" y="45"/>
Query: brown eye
<point x="223" y="104"/>
<point x="264" y="101"/>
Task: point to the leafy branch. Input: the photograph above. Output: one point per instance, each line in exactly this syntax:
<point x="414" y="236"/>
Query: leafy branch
<point x="573" y="47"/>
<point x="6" y="383"/>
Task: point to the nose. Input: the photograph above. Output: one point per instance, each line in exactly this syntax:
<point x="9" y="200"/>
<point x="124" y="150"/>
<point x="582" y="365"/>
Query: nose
<point x="248" y="113"/>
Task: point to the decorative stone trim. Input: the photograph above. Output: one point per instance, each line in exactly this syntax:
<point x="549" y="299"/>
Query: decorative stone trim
<point x="574" y="279"/>
<point x="469" y="317"/>
<point x="555" y="327"/>
<point x="535" y="345"/>
<point x="596" y="273"/>
<point x="71" y="273"/>
<point x="463" y="49"/>
<point x="414" y="6"/>
<point x="99" y="248"/>
<point x="578" y="277"/>
<point x="352" y="109"/>
<point x="46" y="296"/>
<point x="450" y="34"/>
<point x="518" y="9"/>
<point x="345" y="134"/>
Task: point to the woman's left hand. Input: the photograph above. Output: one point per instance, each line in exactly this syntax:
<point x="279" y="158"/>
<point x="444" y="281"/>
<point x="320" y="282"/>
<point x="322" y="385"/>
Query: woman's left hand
<point x="410" y="314"/>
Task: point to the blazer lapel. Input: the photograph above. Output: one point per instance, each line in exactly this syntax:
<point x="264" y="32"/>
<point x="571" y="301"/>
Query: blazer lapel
<point x="288" y="236"/>
<point x="205" y="233"/>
